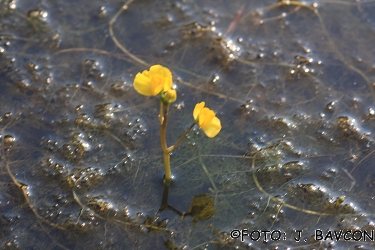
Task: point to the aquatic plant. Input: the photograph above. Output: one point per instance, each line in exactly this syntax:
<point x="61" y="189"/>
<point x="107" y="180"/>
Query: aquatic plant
<point x="158" y="81"/>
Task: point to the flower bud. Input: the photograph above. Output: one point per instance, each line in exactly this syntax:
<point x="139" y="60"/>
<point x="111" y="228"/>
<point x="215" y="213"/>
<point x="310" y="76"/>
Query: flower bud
<point x="169" y="96"/>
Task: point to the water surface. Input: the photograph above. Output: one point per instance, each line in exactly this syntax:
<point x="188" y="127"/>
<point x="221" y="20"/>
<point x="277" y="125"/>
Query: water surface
<point x="81" y="163"/>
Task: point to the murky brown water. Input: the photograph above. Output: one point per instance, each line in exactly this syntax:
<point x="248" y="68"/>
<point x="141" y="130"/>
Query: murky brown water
<point x="81" y="164"/>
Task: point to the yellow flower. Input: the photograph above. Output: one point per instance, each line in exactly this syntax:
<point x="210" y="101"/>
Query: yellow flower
<point x="207" y="120"/>
<point x="169" y="96"/>
<point x="152" y="82"/>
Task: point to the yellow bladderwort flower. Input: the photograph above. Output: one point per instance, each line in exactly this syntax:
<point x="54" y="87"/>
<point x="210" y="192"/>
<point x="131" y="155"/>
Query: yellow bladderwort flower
<point x="207" y="120"/>
<point x="169" y="96"/>
<point x="154" y="81"/>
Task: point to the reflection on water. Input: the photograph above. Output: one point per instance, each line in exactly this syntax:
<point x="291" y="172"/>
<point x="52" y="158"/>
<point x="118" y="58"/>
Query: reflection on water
<point x="292" y="83"/>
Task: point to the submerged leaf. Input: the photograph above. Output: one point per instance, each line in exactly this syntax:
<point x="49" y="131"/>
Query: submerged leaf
<point x="202" y="207"/>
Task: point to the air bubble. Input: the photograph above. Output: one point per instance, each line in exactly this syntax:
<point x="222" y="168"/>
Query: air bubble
<point x="102" y="12"/>
<point x="330" y="106"/>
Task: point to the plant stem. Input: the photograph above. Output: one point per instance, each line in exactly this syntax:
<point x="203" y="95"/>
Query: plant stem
<point x="173" y="147"/>
<point x="163" y="141"/>
<point x="161" y="117"/>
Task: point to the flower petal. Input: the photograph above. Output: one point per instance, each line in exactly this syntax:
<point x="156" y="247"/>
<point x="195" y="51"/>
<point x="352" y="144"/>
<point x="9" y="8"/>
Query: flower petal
<point x="157" y="83"/>
<point x="162" y="73"/>
<point x="142" y="83"/>
<point x="212" y="129"/>
<point x="205" y="117"/>
<point x="198" y="109"/>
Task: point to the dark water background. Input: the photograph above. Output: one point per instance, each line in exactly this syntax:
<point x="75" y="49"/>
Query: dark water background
<point x="81" y="166"/>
